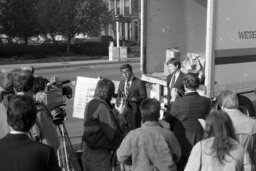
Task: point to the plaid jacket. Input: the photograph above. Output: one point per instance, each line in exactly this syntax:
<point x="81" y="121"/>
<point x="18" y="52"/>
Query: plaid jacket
<point x="184" y="115"/>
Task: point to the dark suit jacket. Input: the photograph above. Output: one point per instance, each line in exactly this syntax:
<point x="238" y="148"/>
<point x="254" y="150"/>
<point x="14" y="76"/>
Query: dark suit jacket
<point x="178" y="84"/>
<point x="184" y="114"/>
<point x="18" y="153"/>
<point x="137" y="90"/>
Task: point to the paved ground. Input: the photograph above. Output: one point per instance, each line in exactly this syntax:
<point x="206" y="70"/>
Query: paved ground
<point x="62" y="62"/>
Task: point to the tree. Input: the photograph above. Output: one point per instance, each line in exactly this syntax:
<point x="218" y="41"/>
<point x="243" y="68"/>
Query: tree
<point x="82" y="16"/>
<point x="92" y="17"/>
<point x="18" y="18"/>
<point x="66" y="24"/>
<point x="47" y="16"/>
<point x="71" y="17"/>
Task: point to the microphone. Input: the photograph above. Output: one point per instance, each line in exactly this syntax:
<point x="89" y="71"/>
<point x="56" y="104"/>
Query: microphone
<point x="65" y="82"/>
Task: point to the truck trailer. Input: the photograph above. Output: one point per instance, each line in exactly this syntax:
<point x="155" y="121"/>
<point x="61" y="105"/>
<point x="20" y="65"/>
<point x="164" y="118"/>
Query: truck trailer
<point x="223" y="30"/>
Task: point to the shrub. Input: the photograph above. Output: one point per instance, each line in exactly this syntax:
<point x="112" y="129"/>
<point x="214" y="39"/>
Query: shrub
<point x="91" y="48"/>
<point x="42" y="51"/>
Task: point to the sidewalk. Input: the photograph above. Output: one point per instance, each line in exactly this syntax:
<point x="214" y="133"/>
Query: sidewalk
<point x="67" y="64"/>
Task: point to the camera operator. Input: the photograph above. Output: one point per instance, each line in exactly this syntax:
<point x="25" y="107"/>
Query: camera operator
<point x="102" y="128"/>
<point x="44" y="130"/>
<point x="39" y="84"/>
<point x="5" y="94"/>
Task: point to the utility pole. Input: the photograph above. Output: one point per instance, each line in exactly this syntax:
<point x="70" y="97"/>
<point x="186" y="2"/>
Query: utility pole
<point x="117" y="26"/>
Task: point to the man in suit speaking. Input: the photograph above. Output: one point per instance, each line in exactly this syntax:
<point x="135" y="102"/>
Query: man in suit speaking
<point x="17" y="151"/>
<point x="133" y="91"/>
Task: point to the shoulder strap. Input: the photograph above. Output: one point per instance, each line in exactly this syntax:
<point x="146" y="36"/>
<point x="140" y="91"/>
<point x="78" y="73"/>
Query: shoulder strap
<point x="42" y="107"/>
<point x="201" y="153"/>
<point x="151" y="162"/>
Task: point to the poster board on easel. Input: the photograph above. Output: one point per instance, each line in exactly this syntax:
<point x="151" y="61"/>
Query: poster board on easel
<point x="84" y="92"/>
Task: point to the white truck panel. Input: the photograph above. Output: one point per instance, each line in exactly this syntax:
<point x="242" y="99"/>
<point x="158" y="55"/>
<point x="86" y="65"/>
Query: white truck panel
<point x="172" y="23"/>
<point x="235" y="41"/>
<point x="238" y="77"/>
<point x="235" y="24"/>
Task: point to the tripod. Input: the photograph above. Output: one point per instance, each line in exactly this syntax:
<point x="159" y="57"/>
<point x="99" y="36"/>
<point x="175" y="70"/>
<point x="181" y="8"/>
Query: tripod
<point x="67" y="158"/>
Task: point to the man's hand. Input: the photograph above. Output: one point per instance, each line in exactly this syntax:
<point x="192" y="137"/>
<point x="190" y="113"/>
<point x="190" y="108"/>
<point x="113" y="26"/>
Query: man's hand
<point x="121" y="108"/>
<point x="133" y="99"/>
<point x="174" y="94"/>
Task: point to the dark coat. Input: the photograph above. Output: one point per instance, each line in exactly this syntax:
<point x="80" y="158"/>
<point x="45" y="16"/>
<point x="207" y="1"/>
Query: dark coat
<point x="184" y="114"/>
<point x="101" y="129"/>
<point x="178" y="84"/>
<point x="18" y="152"/>
<point x="137" y="90"/>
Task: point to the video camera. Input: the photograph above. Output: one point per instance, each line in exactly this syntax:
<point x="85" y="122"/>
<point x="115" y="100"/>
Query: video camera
<point x="54" y="94"/>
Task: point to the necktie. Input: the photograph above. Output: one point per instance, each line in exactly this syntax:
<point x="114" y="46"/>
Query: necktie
<point x="171" y="85"/>
<point x="172" y="82"/>
<point x="128" y="85"/>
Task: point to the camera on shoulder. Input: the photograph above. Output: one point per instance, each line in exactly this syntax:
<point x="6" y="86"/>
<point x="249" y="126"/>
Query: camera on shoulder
<point x="53" y="97"/>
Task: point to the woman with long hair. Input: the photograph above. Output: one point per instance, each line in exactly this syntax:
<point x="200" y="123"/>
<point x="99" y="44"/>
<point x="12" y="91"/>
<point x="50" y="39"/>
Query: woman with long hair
<point x="219" y="150"/>
<point x="102" y="130"/>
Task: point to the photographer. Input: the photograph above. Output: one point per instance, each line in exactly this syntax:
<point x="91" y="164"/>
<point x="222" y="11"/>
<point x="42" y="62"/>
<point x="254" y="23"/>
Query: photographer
<point x="44" y="130"/>
<point x="102" y="131"/>
<point x="5" y="94"/>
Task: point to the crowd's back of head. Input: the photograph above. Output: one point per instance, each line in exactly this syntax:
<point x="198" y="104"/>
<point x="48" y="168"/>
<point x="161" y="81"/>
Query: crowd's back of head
<point x="220" y="126"/>
<point x="191" y="81"/>
<point x="228" y="99"/>
<point x="40" y="84"/>
<point x="23" y="81"/>
<point x="150" y="110"/>
<point x="105" y="89"/>
<point x="21" y="113"/>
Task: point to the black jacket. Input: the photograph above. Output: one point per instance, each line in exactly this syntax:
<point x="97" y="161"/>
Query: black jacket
<point x="18" y="152"/>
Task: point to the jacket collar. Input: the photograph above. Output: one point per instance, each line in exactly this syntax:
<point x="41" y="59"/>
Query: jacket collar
<point x="192" y="93"/>
<point x="102" y="101"/>
<point x="151" y="123"/>
<point x="16" y="137"/>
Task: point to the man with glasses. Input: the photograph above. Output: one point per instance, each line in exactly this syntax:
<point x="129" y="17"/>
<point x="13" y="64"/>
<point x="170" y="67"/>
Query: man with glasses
<point x="133" y="90"/>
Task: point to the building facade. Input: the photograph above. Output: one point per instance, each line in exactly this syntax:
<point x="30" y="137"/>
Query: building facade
<point x="127" y="14"/>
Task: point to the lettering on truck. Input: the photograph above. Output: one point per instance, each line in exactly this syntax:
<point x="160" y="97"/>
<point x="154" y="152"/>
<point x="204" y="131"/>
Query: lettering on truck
<point x="247" y="34"/>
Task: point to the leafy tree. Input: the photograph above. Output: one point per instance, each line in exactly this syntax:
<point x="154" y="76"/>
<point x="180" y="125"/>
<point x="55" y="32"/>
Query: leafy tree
<point x="66" y="20"/>
<point x="92" y="17"/>
<point x="18" y="18"/>
<point x="47" y="16"/>
<point x="83" y="16"/>
<point x="71" y="17"/>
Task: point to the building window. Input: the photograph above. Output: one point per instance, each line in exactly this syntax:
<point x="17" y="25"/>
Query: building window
<point x="112" y="6"/>
<point x="127" y="7"/>
<point x="118" y="6"/>
<point x="136" y="29"/>
<point x="136" y="6"/>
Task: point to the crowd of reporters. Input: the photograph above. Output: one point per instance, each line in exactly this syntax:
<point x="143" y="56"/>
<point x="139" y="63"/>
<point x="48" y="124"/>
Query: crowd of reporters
<point x="176" y="142"/>
<point x="112" y="135"/>
<point x="29" y="140"/>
